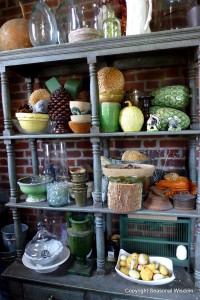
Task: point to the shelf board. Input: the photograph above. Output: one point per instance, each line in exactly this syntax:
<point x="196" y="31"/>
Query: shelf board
<point x="111" y="284"/>
<point x="104" y="210"/>
<point x="29" y="61"/>
<point x="191" y="132"/>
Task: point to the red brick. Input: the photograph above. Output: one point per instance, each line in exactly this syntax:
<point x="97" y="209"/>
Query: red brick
<point x="22" y="145"/>
<point x="82" y="162"/>
<point x="11" y="3"/>
<point x="4" y="170"/>
<point x="129" y="77"/>
<point x="2" y="5"/>
<point x="173" y="73"/>
<point x="22" y="162"/>
<point x="151" y="85"/>
<point x="11" y="13"/>
<point x="32" y="218"/>
<point x="20" y="170"/>
<point x="149" y="143"/>
<point x="74" y="154"/>
<point x="173" y="143"/>
<point x="83" y="144"/>
<point x="125" y="143"/>
<point x="87" y="153"/>
<point x="149" y="74"/>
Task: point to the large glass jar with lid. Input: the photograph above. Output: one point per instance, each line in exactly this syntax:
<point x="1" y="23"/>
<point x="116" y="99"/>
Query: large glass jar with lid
<point x="83" y="21"/>
<point x="170" y="14"/>
<point x="42" y="25"/>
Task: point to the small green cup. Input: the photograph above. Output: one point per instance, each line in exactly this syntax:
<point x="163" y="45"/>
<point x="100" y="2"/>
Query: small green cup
<point x="109" y="116"/>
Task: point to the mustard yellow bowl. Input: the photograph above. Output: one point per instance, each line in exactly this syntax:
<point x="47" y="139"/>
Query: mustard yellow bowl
<point x="111" y="96"/>
<point x="33" y="123"/>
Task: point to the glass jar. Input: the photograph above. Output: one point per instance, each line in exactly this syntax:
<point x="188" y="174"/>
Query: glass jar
<point x="55" y="160"/>
<point x="55" y="163"/>
<point x="112" y="250"/>
<point x="83" y="21"/>
<point x="57" y="193"/>
<point x="134" y="97"/>
<point x="42" y="25"/>
<point x="170" y="14"/>
<point x="111" y="26"/>
<point x="62" y="22"/>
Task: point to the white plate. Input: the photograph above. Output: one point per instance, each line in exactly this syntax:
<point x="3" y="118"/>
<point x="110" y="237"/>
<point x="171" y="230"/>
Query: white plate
<point x="157" y="259"/>
<point x="48" y="268"/>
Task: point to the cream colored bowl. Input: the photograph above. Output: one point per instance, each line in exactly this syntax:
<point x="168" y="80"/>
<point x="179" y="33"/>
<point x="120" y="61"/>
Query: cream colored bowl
<point x="81" y="118"/>
<point x="33" y="123"/>
<point x="123" y="170"/>
<point x="80" y="105"/>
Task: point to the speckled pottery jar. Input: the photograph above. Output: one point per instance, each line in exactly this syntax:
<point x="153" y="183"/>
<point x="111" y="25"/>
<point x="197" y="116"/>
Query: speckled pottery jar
<point x="80" y="196"/>
<point x="78" y="175"/>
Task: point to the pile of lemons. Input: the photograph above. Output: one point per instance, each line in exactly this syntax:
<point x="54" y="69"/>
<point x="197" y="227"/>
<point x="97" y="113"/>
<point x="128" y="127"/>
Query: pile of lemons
<point x="138" y="266"/>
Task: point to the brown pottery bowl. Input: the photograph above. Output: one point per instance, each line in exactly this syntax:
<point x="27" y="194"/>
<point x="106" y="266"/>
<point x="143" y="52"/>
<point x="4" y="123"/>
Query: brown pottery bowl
<point x="79" y="127"/>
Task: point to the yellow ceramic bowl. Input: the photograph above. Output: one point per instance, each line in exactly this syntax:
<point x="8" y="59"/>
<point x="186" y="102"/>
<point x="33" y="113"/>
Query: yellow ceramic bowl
<point x="111" y="96"/>
<point x="33" y="123"/>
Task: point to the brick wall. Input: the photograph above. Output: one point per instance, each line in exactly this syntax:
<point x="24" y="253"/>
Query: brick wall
<point x="79" y="150"/>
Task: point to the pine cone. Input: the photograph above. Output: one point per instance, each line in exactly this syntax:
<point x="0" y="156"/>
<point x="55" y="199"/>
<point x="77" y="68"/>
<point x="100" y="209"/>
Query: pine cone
<point x="58" y="108"/>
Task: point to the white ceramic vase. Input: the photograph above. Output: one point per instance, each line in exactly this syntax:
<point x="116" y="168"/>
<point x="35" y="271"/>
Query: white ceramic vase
<point x="139" y="14"/>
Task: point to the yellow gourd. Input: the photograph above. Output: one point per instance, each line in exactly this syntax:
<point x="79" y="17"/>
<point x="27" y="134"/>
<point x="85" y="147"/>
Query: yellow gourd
<point x="131" y="118"/>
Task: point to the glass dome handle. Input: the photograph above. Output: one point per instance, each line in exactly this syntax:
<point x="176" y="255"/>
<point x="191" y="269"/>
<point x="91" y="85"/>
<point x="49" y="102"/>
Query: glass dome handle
<point x="40" y="225"/>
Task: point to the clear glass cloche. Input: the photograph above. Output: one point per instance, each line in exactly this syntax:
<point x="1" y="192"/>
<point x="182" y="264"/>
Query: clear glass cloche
<point x="44" y="248"/>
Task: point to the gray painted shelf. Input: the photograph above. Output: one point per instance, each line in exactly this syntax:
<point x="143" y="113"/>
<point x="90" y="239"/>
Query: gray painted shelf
<point x="157" y="49"/>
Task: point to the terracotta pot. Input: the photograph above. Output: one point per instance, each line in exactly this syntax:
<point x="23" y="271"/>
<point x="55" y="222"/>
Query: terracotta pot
<point x="184" y="201"/>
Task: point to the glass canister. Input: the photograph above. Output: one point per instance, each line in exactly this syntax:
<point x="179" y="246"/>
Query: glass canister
<point x="170" y="14"/>
<point x="62" y="22"/>
<point x="42" y="25"/>
<point x="83" y="21"/>
<point x="134" y="97"/>
<point x="111" y="25"/>
<point x="55" y="163"/>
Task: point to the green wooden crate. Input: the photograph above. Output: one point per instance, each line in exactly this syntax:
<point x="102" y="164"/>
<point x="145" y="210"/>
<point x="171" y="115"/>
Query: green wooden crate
<point x="156" y="237"/>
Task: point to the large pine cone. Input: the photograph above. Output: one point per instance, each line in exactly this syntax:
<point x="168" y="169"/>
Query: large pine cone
<point x="58" y="108"/>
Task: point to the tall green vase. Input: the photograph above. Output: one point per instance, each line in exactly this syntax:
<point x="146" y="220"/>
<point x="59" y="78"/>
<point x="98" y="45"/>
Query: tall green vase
<point x="80" y="240"/>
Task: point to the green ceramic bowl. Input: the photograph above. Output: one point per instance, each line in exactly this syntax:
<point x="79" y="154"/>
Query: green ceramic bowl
<point x="34" y="187"/>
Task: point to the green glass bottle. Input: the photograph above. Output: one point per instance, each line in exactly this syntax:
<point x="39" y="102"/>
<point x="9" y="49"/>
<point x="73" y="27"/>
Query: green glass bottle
<point x="111" y="26"/>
